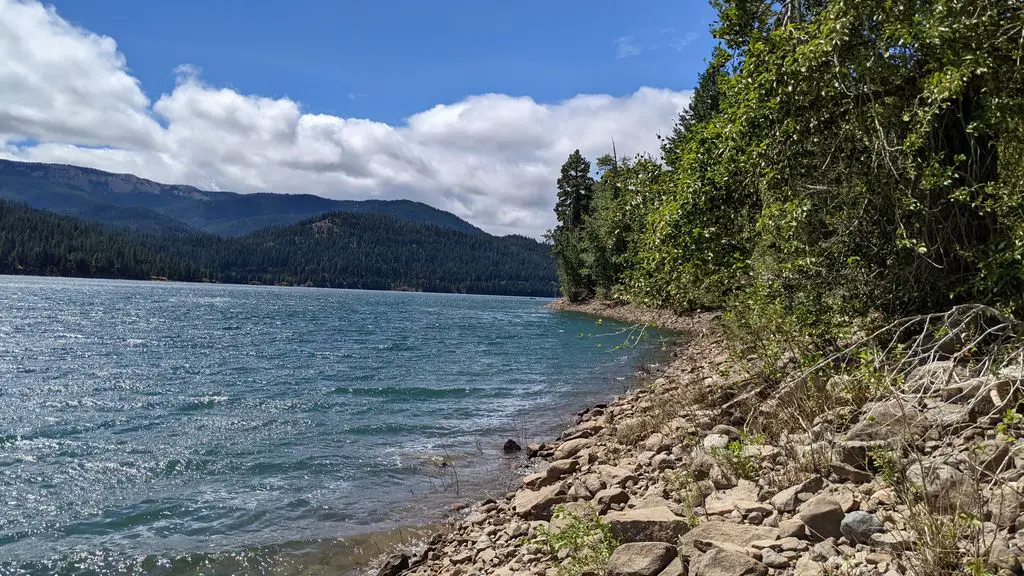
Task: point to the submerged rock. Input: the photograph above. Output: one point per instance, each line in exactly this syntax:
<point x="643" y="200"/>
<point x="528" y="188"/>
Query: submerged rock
<point x="511" y="447"/>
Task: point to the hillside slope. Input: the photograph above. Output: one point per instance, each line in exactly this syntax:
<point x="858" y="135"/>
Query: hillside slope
<point x="125" y="200"/>
<point x="336" y="250"/>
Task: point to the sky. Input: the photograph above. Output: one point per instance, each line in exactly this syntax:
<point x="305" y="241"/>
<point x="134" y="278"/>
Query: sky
<point x="466" y="105"/>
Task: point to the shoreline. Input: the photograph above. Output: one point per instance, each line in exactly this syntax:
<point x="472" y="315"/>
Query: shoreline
<point x="690" y="473"/>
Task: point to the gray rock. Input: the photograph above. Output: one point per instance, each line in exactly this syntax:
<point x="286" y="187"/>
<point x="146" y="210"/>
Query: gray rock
<point x="773" y="559"/>
<point x="945" y="488"/>
<point x="847" y="472"/>
<point x="889" y="419"/>
<point x="610" y="496"/>
<point x="1005" y="504"/>
<point x="822" y="517"/>
<point x="674" y="568"/>
<point x="807" y="567"/>
<point x="730" y="432"/>
<point x="722" y="562"/>
<point x="858" y="527"/>
<point x="787" y="500"/>
<point x="641" y="559"/>
<point x="613" y="476"/>
<point x="657" y="524"/>
<point x="724" y="532"/>
<point x="713" y="442"/>
<point x="537" y="504"/>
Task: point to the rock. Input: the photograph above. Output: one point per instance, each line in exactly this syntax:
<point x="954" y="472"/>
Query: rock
<point x="533" y="449"/>
<point x="674" y="568"/>
<point x="613" y="476"/>
<point x="847" y="472"/>
<point x="729" y="432"/>
<point x="726" y="501"/>
<point x="714" y="442"/>
<point x="724" y="532"/>
<point x="1005" y="504"/>
<point x="887" y="420"/>
<point x="945" y="488"/>
<point x="787" y="501"/>
<point x="858" y="527"/>
<point x="722" y="562"/>
<point x="896" y="542"/>
<point x="610" y="496"/>
<point x="641" y="559"/>
<point x="560" y="468"/>
<point x="647" y="525"/>
<point x="569" y="512"/>
<point x="807" y="567"/>
<point x="822" y="517"/>
<point x="991" y="456"/>
<point x="792" y="528"/>
<point x="773" y="559"/>
<point x="394" y="565"/>
<point x="485" y="556"/>
<point x="931" y="378"/>
<point x="657" y="443"/>
<point x="537" y="504"/>
<point x="511" y="447"/>
<point x="824" y="550"/>
<point x="572" y="448"/>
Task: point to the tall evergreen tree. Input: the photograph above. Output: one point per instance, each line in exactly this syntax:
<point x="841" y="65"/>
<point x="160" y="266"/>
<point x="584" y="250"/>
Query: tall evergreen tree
<point x="575" y="191"/>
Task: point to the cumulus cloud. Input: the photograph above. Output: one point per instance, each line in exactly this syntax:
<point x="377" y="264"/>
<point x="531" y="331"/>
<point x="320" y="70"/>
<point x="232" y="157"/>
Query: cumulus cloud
<point x="492" y="159"/>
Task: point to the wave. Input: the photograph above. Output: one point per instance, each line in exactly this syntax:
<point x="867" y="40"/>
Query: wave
<point x="423" y="392"/>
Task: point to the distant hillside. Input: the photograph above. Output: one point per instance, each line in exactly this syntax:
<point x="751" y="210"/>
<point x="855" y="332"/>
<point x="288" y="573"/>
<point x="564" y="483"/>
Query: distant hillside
<point x="337" y="250"/>
<point x="123" y="200"/>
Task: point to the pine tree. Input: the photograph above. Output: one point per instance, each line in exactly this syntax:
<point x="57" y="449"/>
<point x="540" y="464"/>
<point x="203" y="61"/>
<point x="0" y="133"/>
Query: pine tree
<point x="575" y="191"/>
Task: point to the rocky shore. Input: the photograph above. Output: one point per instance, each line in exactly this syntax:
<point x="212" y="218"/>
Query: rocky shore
<point x="671" y="479"/>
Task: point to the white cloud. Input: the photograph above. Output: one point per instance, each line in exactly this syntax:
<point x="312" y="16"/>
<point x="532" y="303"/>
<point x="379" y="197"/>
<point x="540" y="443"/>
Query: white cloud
<point x="492" y="159"/>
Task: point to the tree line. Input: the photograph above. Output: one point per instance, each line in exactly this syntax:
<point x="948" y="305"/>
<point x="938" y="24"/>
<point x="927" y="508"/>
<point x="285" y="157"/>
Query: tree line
<point x="839" y="161"/>
<point x="336" y="250"/>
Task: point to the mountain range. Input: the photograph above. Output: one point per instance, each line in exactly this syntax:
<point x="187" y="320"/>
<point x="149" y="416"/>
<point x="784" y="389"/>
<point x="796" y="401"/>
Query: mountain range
<point x="71" y="221"/>
<point x="127" y="201"/>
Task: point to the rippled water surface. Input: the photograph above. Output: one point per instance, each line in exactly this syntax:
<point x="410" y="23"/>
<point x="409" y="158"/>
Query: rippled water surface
<point x="183" y="428"/>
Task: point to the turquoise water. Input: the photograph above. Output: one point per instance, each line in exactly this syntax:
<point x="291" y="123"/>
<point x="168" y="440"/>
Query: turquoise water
<point x="184" y="428"/>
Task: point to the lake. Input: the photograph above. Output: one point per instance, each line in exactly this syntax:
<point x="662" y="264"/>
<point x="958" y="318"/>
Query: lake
<point x="166" y="428"/>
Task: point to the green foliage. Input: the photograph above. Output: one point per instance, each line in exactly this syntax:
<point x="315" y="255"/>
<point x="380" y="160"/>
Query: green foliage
<point x="734" y="461"/>
<point x="890" y="465"/>
<point x="841" y="163"/>
<point x="587" y="539"/>
<point x="338" y="250"/>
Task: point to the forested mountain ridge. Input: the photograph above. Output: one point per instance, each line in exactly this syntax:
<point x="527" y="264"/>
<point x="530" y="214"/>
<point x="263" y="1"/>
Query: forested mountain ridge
<point x="335" y="250"/>
<point x="125" y="200"/>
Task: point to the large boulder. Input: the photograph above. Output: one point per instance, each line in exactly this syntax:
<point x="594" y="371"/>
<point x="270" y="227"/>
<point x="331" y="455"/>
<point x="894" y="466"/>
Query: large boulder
<point x="724" y="533"/>
<point x="613" y="476"/>
<point x="641" y="559"/>
<point x="822" y="517"/>
<point x="1006" y="503"/>
<point x="572" y="448"/>
<point x="945" y="488"/>
<point x="538" y="504"/>
<point x="722" y="562"/>
<point x="889" y="419"/>
<point x="657" y="524"/>
<point x="931" y="378"/>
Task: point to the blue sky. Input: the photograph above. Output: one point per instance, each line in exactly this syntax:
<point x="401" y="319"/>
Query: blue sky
<point x="386" y="60"/>
<point x="467" y="106"/>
